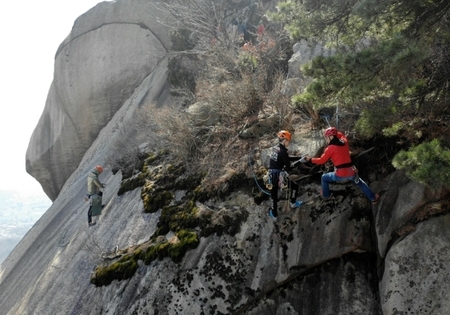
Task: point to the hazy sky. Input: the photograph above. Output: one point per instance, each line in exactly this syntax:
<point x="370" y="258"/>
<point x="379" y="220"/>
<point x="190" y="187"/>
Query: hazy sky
<point x="30" y="33"/>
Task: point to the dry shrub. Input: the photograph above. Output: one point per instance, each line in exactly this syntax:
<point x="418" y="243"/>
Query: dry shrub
<point x="93" y="247"/>
<point x="225" y="165"/>
<point x="242" y="83"/>
<point x="277" y="102"/>
<point x="133" y="140"/>
<point x="212" y="151"/>
<point x="176" y="132"/>
<point x="316" y="121"/>
<point x="239" y="103"/>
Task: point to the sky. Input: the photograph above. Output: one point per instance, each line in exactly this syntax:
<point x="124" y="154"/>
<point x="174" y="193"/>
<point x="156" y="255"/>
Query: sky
<point x="30" y="33"/>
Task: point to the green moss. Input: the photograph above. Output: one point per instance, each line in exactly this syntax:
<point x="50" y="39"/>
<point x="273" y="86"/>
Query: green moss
<point x="225" y="222"/>
<point x="132" y="183"/>
<point x="188" y="182"/>
<point x="200" y="194"/>
<point x="155" y="200"/>
<point x="187" y="240"/>
<point x="181" y="39"/>
<point x="145" y="160"/>
<point x="235" y="182"/>
<point x="176" y="251"/>
<point x="179" y="75"/>
<point x="158" y="183"/>
<point x="178" y="217"/>
<point x="156" y="193"/>
<point x="162" y="230"/>
<point x="159" y="251"/>
<point x="125" y="268"/>
<point x="154" y="157"/>
<point x="138" y="254"/>
<point x="150" y="160"/>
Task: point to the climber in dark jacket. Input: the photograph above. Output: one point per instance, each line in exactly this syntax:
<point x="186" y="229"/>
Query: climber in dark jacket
<point x="338" y="152"/>
<point x="281" y="161"/>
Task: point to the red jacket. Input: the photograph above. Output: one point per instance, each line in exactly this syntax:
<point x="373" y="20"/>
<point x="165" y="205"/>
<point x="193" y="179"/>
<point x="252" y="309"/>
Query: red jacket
<point x="339" y="152"/>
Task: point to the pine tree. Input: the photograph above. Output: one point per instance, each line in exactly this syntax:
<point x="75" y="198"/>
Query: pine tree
<point x="393" y="57"/>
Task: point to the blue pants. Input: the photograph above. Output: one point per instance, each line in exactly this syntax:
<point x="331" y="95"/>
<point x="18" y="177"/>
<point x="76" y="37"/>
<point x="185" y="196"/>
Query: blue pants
<point x="331" y="177"/>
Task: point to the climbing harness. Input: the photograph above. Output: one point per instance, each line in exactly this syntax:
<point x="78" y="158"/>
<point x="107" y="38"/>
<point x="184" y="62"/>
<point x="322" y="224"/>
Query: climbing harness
<point x="283" y="179"/>
<point x="268" y="180"/>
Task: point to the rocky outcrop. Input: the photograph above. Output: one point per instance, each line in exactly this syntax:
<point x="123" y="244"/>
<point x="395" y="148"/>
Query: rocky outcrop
<point x="304" y="52"/>
<point x="412" y="225"/>
<point x="417" y="275"/>
<point x="202" y="114"/>
<point x="112" y="48"/>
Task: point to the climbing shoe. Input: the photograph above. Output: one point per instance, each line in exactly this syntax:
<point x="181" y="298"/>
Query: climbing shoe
<point x="274" y="218"/>
<point x="296" y="204"/>
<point x="377" y="198"/>
<point x="92" y="223"/>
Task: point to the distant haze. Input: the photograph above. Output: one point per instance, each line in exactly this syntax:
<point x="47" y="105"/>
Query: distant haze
<point x="18" y="213"/>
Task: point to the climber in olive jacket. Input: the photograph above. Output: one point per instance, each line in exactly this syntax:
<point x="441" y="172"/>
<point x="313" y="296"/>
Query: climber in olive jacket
<point x="93" y="183"/>
<point x="338" y="152"/>
<point x="93" y="188"/>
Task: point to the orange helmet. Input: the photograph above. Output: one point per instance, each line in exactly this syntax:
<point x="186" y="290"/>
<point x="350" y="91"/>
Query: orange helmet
<point x="331" y="131"/>
<point x="99" y="168"/>
<point x="283" y="134"/>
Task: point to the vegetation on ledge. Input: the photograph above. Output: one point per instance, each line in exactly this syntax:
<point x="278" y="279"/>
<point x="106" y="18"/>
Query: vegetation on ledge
<point x="127" y="265"/>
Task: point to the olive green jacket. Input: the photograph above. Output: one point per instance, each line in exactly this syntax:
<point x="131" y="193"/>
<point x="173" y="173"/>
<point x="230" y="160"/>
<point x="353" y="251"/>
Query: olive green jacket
<point x="93" y="184"/>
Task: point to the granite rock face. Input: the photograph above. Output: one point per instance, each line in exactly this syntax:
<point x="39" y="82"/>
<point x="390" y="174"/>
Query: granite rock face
<point x="417" y="275"/>
<point x="112" y="48"/>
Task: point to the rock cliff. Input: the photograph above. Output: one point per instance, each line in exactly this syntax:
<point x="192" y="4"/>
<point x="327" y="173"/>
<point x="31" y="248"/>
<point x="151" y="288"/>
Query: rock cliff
<point x="342" y="256"/>
<point x="112" y="48"/>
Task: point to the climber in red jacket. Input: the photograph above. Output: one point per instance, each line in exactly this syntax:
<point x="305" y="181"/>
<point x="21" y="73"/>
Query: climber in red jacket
<point x="339" y="152"/>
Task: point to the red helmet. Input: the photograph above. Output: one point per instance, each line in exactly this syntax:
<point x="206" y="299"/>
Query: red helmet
<point x="99" y="168"/>
<point x="331" y="131"/>
<point x="283" y="134"/>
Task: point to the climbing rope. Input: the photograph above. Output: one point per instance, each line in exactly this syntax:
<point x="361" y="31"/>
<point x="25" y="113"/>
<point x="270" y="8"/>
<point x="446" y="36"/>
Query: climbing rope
<point x="337" y="116"/>
<point x="254" y="176"/>
<point x="325" y="117"/>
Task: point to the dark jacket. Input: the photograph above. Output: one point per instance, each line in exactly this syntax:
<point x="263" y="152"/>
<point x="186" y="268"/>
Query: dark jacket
<point x="280" y="159"/>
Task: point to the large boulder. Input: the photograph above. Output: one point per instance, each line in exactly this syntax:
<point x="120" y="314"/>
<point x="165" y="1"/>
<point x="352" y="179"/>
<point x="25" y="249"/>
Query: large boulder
<point x="417" y="276"/>
<point x="304" y="52"/>
<point x="202" y="114"/>
<point x="404" y="202"/>
<point x="109" y="52"/>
